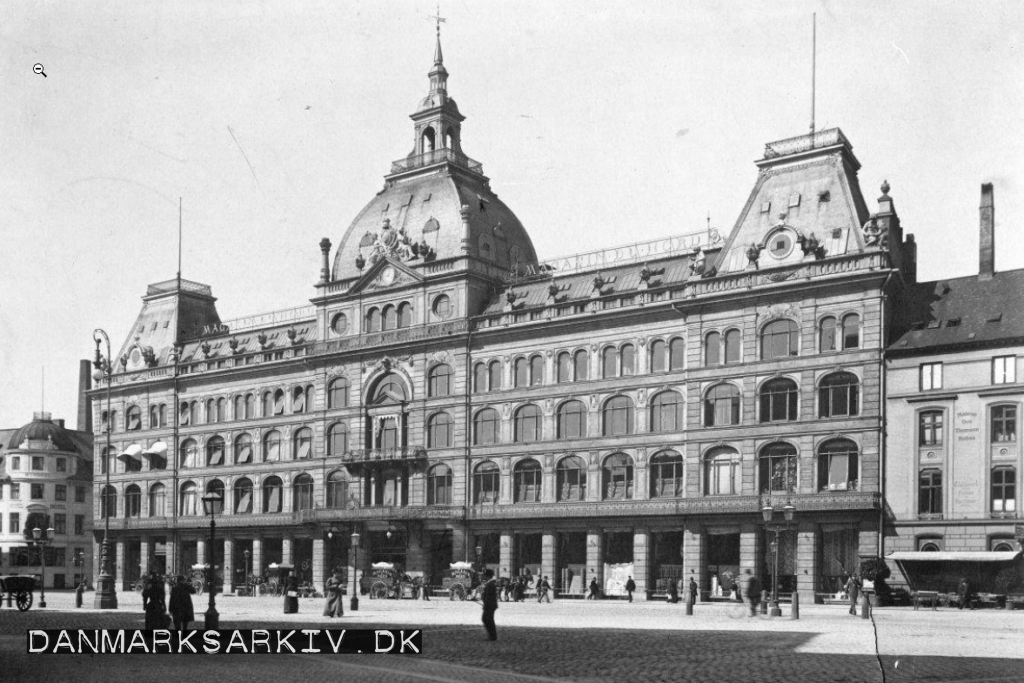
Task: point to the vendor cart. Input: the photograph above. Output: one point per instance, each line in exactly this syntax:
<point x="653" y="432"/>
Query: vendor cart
<point x="18" y="588"/>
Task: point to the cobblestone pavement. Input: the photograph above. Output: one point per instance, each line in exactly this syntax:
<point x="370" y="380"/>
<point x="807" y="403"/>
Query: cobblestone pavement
<point x="568" y="640"/>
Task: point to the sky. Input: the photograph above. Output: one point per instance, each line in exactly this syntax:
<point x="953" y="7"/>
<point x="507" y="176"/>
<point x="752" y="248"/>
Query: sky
<point x="599" y="122"/>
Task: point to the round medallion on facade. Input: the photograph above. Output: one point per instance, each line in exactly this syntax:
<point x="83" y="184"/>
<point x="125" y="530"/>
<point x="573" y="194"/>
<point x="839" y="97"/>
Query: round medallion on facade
<point x="387" y="276"/>
<point x="780" y="244"/>
<point x="442" y="306"/>
<point x="339" y="323"/>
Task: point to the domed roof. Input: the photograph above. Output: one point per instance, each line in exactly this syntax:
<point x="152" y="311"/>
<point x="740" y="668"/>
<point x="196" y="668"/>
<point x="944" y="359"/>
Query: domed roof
<point x="42" y="428"/>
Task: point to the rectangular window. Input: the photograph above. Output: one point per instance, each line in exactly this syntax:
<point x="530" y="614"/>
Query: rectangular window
<point x="931" y="376"/>
<point x="60" y="523"/>
<point x="1004" y="424"/>
<point x="725" y="476"/>
<point x="930" y="492"/>
<point x="62" y="464"/>
<point x="37" y="491"/>
<point x="79" y="525"/>
<point x="60" y="492"/>
<point x="79" y="494"/>
<point x="1004" y="490"/>
<point x="15" y="462"/>
<point x="37" y="463"/>
<point x="1004" y="370"/>
<point x="14" y="527"/>
<point x="15" y="491"/>
<point x="930" y="428"/>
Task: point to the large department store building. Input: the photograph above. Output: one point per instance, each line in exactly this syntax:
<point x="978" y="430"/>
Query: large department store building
<point x="621" y="413"/>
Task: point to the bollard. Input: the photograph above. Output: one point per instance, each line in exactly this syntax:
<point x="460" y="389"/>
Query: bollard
<point x="794" y="610"/>
<point x="689" y="603"/>
<point x="865" y="608"/>
<point x="764" y="602"/>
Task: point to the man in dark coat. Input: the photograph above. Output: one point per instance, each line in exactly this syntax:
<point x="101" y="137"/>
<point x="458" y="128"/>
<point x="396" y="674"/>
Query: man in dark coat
<point x="181" y="603"/>
<point x="693" y="592"/>
<point x="79" y="591"/>
<point x="749" y="591"/>
<point x="630" y="587"/>
<point x="334" y="606"/>
<point x="594" y="588"/>
<point x="154" y="603"/>
<point x="490" y="604"/>
<point x="543" y="590"/>
<point x="963" y="592"/>
<point x="673" y="592"/>
<point x="853" y="590"/>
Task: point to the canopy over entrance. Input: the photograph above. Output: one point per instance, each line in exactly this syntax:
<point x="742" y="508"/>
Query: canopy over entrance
<point x="942" y="570"/>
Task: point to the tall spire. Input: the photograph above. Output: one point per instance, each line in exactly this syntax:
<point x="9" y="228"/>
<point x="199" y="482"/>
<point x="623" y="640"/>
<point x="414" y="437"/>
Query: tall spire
<point x="438" y="75"/>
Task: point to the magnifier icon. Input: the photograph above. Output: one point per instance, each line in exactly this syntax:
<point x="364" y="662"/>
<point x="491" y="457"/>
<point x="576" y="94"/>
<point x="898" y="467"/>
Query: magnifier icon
<point x="38" y="68"/>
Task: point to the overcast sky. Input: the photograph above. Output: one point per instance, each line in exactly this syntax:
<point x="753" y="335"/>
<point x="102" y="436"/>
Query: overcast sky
<point x="596" y="121"/>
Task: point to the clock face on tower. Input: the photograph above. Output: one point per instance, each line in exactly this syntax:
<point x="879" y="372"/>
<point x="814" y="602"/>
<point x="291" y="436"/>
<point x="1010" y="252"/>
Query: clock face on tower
<point x="387" y="276"/>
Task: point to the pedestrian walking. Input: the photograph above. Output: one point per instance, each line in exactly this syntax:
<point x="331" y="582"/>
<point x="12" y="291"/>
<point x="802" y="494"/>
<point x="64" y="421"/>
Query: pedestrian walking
<point x="334" y="606"/>
<point x="181" y="603"/>
<point x="963" y="592"/>
<point x="693" y="591"/>
<point x="594" y="588"/>
<point x="79" y="591"/>
<point x="543" y="590"/>
<point x="490" y="604"/>
<point x="853" y="591"/>
<point x="630" y="587"/>
<point x="749" y="591"/>
<point x="154" y="603"/>
<point x="673" y="592"/>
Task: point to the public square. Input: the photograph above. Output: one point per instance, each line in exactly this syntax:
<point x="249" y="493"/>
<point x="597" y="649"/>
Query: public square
<point x="568" y="640"/>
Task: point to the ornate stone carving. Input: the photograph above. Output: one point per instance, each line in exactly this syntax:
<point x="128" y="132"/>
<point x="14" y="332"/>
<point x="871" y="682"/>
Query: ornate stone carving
<point x="766" y="313"/>
<point x="875" y="235"/>
<point x="506" y="410"/>
<point x="641" y="397"/>
<point x="391" y="243"/>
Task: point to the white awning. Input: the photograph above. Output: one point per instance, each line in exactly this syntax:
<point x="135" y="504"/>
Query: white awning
<point x="953" y="556"/>
<point x="383" y="565"/>
<point x="461" y="565"/>
<point x="158" y="448"/>
<point x="132" y="452"/>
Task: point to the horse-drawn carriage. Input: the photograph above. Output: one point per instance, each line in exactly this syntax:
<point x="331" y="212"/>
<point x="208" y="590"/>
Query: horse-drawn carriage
<point x="274" y="582"/>
<point x="390" y="581"/>
<point x="460" y="579"/>
<point x="18" y="588"/>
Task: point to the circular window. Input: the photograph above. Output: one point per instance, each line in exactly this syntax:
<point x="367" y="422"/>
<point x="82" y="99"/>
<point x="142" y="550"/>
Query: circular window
<point x="780" y="244"/>
<point x="136" y="356"/>
<point x="339" y="324"/>
<point x="442" y="306"/>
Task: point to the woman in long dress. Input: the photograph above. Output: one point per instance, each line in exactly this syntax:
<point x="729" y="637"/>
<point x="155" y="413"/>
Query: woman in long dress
<point x="334" y="607"/>
<point x="153" y="602"/>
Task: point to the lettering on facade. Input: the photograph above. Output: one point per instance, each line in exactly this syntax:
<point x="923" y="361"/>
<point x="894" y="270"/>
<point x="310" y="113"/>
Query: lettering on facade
<point x="966" y="493"/>
<point x="966" y="429"/>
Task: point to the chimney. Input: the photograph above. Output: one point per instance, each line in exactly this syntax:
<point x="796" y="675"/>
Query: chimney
<point x="987" y="266"/>
<point x="84" y="404"/>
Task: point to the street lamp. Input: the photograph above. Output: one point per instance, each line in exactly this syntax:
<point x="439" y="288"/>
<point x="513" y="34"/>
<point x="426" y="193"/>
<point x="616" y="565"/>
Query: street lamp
<point x="247" y="556"/>
<point x="42" y="542"/>
<point x="767" y="511"/>
<point x="212" y="503"/>
<point x="106" y="596"/>
<point x="479" y="559"/>
<point x="354" y="602"/>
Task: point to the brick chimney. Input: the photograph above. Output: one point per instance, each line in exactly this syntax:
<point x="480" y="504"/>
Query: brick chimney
<point x="84" y="404"/>
<point x="987" y="266"/>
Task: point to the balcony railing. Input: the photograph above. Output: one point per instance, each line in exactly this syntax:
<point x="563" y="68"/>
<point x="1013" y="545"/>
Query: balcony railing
<point x="436" y="157"/>
<point x="405" y="334"/>
<point x="803" y="143"/>
<point x="378" y="454"/>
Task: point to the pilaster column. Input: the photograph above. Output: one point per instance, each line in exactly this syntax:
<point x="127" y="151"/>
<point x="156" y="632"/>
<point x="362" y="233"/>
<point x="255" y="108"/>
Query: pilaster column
<point x="752" y="550"/>
<point x="594" y="483"/>
<point x="641" y="561"/>
<point x="318" y="560"/>
<point x="229" y="564"/>
<point x="505" y="496"/>
<point x="548" y="559"/>
<point x="144" y="555"/>
<point x="807" y="561"/>
<point x="200" y="551"/>
<point x="694" y="558"/>
<point x="257" y="556"/>
<point x="120" y="575"/>
<point x="505" y="559"/>
<point x="286" y="550"/>
<point x="171" y="558"/>
<point x="595" y="555"/>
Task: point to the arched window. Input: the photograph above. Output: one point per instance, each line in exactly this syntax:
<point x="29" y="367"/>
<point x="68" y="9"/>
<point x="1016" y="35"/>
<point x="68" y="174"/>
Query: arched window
<point x="732" y="346"/>
<point x="667" y="412"/>
<point x="527" y="424"/>
<point x="439" y="381"/>
<point x="677" y="354"/>
<point x="628" y="359"/>
<point x="572" y="479"/>
<point x="1004" y="424"/>
<point x="722" y="406"/>
<point x="1004" y="489"/>
<point x="427" y="140"/>
<point x="133" y="419"/>
<point x="302" y="444"/>
<point x="851" y="331"/>
<point x="405" y="314"/>
<point x="215" y="452"/>
<point x="302" y="493"/>
<point x="132" y="501"/>
<point x="572" y="420"/>
<point x="778" y="398"/>
<point x="480" y="378"/>
<point x="486" y="483"/>
<point x="485" y="427"/>
<point x="780" y="339"/>
<point x="659" y="352"/>
<point x="439" y="485"/>
<point x="243" y="496"/>
<point x="827" y="334"/>
<point x="563" y="365"/>
<point x="521" y="373"/>
<point x="581" y="365"/>
<point x="337" y="393"/>
<point x="211" y="411"/>
<point x="279" y="402"/>
<point x="617" y="475"/>
<point x="929" y="492"/>
<point x="439" y="431"/>
<point x="187" y="454"/>
<point x="618" y="416"/>
<point x="337" y="439"/>
<point x="373" y="320"/>
<point x="272" y="494"/>
<point x="930" y="428"/>
<point x="109" y="461"/>
<point x="713" y="349"/>
<point x="666" y="475"/>
<point x="243" y="449"/>
<point x="157" y="500"/>
<point x="722" y="474"/>
<point x="337" y="490"/>
<point x="193" y="411"/>
<point x="302" y="399"/>
<point x="838" y="395"/>
<point x="184" y="415"/>
<point x="268" y="403"/>
<point x="272" y="446"/>
<point x="214" y="487"/>
<point x="837" y="465"/>
<point x="222" y="409"/>
<point x="777" y="466"/>
<point x="250" y="406"/>
<point x="389" y="389"/>
<point x="609" y="362"/>
<point x="390" y="317"/>
<point x="527" y="481"/>
<point x="494" y="371"/>
<point x="108" y="502"/>
<point x="188" y="506"/>
<point x="239" y="407"/>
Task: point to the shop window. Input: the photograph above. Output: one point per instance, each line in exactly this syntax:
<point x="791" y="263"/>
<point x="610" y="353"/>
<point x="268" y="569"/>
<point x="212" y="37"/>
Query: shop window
<point x="838" y="395"/>
<point x="722" y="406"/>
<point x="486" y="483"/>
<point x="527" y="481"/>
<point x="722" y="472"/>
<point x="837" y="466"/>
<point x="617" y="477"/>
<point x="929" y="492"/>
<point x="777" y="468"/>
<point x="930" y="428"/>
<point x="571" y="420"/>
<point x="572" y="479"/>
<point x="778" y="399"/>
<point x="666" y="475"/>
<point x="1004" y="490"/>
<point x="527" y="424"/>
<point x="666" y="412"/>
<point x="780" y="339"/>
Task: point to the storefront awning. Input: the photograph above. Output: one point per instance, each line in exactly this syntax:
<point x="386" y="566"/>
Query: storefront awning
<point x="952" y="556"/>
<point x="131" y="453"/>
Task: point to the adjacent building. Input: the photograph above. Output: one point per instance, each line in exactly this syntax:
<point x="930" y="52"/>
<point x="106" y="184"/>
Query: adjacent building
<point x="450" y="396"/>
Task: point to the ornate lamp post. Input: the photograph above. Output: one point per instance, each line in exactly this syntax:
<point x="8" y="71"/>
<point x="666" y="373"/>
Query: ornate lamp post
<point x="479" y="559"/>
<point x="767" y="511"/>
<point x="212" y="503"/>
<point x="41" y="541"/>
<point x="247" y="556"/>
<point x="354" y="602"/>
<point x="106" y="597"/>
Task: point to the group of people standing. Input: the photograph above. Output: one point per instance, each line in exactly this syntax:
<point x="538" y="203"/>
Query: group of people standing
<point x="155" y="606"/>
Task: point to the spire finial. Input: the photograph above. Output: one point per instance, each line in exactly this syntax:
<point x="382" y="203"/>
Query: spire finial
<point x="438" y="59"/>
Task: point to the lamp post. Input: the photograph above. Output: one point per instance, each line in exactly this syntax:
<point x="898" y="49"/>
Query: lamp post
<point x="212" y="505"/>
<point x="479" y="559"/>
<point x="354" y="602"/>
<point x="106" y="596"/>
<point x="247" y="556"/>
<point x="41" y="541"/>
<point x="767" y="511"/>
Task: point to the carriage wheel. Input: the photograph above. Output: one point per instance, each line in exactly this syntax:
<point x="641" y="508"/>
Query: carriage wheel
<point x="198" y="585"/>
<point x="458" y="592"/>
<point x="24" y="601"/>
<point x="378" y="591"/>
<point x="137" y="586"/>
<point x="262" y="588"/>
